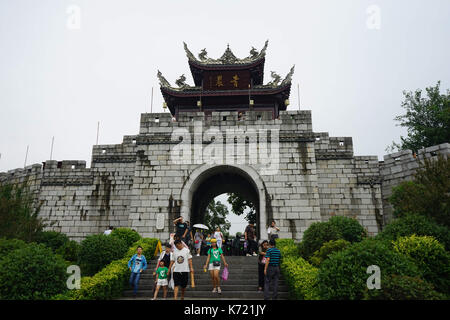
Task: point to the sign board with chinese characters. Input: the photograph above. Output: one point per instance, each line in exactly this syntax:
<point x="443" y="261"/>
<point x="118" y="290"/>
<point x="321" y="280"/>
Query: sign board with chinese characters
<point x="226" y="80"/>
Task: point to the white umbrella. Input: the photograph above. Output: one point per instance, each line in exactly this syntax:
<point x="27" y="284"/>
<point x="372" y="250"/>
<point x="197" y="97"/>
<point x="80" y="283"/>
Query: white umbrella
<point x="200" y="226"/>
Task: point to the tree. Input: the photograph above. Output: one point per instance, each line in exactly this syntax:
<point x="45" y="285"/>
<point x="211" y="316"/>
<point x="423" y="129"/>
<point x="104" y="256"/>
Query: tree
<point x="428" y="194"/>
<point x="239" y="204"/>
<point x="426" y="119"/>
<point x="18" y="217"/>
<point x="215" y="216"/>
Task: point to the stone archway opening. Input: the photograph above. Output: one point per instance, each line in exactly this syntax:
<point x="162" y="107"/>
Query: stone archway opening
<point x="210" y="181"/>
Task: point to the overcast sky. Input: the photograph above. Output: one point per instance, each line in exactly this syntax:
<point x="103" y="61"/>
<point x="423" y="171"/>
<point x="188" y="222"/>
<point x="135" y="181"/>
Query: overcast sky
<point x="57" y="80"/>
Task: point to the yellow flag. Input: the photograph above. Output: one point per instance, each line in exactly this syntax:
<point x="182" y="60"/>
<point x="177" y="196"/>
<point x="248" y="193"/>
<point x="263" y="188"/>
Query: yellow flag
<point x="158" y="249"/>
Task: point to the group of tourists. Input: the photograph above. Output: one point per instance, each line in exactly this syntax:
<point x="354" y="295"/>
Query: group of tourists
<point x="175" y="261"/>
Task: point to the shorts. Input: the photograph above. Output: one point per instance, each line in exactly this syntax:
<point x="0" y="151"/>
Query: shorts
<point x="162" y="282"/>
<point x="212" y="267"/>
<point x="180" y="279"/>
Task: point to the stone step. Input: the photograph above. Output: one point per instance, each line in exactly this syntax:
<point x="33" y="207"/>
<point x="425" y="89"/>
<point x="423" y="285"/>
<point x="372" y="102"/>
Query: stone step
<point x="203" y="275"/>
<point x="202" y="280"/>
<point x="224" y="286"/>
<point x="208" y="294"/>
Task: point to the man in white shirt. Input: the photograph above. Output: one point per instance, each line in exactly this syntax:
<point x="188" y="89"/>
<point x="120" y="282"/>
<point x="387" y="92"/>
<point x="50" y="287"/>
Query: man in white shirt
<point x="273" y="230"/>
<point x="108" y="231"/>
<point x="181" y="259"/>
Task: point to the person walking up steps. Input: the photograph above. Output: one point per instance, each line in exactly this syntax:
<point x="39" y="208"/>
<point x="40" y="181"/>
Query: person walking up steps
<point x="218" y="235"/>
<point x="181" y="259"/>
<point x="261" y="263"/>
<point x="213" y="260"/>
<point x="272" y="270"/>
<point x="250" y="238"/>
<point x="136" y="264"/>
<point x="161" y="279"/>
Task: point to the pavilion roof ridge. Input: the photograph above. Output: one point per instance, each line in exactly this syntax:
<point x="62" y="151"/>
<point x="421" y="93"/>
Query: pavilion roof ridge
<point x="227" y="58"/>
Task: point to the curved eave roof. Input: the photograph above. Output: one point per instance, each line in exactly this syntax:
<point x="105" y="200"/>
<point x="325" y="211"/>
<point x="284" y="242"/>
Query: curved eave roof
<point x="231" y="66"/>
<point x="195" y="91"/>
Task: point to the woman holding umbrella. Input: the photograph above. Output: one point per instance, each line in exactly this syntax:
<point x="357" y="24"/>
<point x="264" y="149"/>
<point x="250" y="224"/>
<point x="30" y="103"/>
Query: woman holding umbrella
<point x="198" y="239"/>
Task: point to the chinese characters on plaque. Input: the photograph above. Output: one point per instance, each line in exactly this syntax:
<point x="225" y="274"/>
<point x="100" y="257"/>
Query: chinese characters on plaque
<point x="226" y="80"/>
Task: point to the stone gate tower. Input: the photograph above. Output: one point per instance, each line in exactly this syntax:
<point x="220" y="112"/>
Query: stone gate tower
<point x="228" y="132"/>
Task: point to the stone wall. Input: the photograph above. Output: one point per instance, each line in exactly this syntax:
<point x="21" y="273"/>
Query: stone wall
<point x="401" y="166"/>
<point x="141" y="183"/>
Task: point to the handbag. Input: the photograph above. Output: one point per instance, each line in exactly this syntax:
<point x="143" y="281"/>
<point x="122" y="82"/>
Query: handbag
<point x="216" y="263"/>
<point x="225" y="274"/>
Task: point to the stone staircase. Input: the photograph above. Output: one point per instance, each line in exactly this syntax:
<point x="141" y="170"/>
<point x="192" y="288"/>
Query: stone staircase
<point x="242" y="282"/>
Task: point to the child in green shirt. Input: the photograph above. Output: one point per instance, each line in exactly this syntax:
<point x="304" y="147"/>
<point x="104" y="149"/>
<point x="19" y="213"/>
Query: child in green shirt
<point x="161" y="279"/>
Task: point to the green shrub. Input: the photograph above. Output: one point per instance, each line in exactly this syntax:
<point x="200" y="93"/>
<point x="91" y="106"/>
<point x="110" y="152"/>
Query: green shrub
<point x="126" y="234"/>
<point x="328" y="248"/>
<point x="430" y="257"/>
<point x="428" y="194"/>
<point x="110" y="282"/>
<point x="287" y="247"/>
<point x="31" y="272"/>
<point x="8" y="245"/>
<point x="343" y="274"/>
<point x="415" y="224"/>
<point x="99" y="250"/>
<point x="394" y="287"/>
<point x="52" y="239"/>
<point x="316" y="235"/>
<point x="19" y="218"/>
<point x="70" y="251"/>
<point x="301" y="277"/>
<point x="349" y="228"/>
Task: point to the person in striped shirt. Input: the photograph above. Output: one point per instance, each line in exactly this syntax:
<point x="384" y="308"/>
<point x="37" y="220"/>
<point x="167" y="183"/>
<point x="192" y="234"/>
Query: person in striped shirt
<point x="272" y="270"/>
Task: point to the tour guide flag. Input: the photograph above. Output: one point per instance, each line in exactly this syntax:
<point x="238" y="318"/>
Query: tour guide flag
<point x="158" y="249"/>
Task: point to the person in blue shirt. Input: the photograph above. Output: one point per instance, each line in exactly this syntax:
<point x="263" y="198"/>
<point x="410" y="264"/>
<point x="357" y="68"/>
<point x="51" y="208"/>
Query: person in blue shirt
<point x="136" y="264"/>
<point x="272" y="270"/>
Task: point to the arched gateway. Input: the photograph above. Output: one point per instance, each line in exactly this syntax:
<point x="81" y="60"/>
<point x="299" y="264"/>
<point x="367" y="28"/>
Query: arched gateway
<point x="209" y="181"/>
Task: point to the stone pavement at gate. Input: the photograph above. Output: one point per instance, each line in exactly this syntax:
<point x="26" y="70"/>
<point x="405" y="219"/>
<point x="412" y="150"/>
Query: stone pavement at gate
<point x="242" y="282"/>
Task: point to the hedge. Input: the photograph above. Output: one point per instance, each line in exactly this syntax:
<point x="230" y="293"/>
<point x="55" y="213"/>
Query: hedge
<point x="32" y="271"/>
<point x="343" y="275"/>
<point x="99" y="250"/>
<point x="395" y="287"/>
<point x="416" y="224"/>
<point x="52" y="239"/>
<point x="349" y="228"/>
<point x="337" y="227"/>
<point x="110" y="282"/>
<point x="430" y="257"/>
<point x="70" y="251"/>
<point x="328" y="248"/>
<point x="316" y="235"/>
<point x="8" y="245"/>
<point x="300" y="276"/>
<point x="126" y="234"/>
